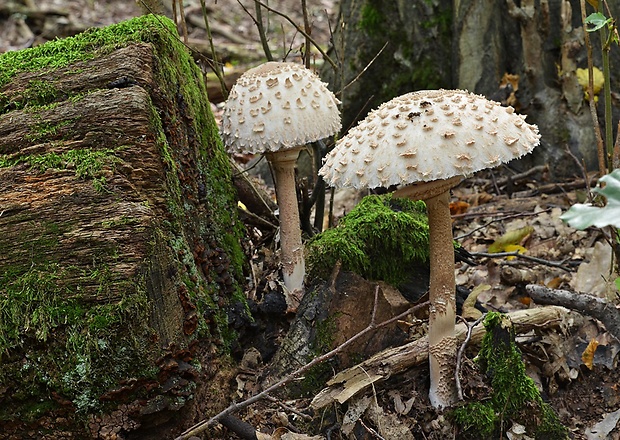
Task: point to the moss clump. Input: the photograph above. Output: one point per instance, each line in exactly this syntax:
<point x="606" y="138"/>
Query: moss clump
<point x="90" y="44"/>
<point x="371" y="19"/>
<point x="514" y="395"/>
<point x="380" y="239"/>
<point x="87" y="163"/>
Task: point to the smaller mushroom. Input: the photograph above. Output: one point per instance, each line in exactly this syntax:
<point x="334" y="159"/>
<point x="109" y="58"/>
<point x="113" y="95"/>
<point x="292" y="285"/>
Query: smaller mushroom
<point x="426" y="141"/>
<point x="276" y="109"/>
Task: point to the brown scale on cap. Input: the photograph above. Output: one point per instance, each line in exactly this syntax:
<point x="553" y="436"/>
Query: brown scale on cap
<point x="446" y="124"/>
<point x="278" y="106"/>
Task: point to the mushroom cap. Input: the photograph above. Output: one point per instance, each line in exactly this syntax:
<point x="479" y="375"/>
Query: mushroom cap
<point x="278" y="106"/>
<point x="425" y="136"/>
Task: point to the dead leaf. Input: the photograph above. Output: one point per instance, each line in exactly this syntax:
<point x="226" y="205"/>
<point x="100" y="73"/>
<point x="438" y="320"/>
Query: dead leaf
<point x="588" y="354"/>
<point x="458" y="207"/>
<point x="469" y="306"/>
<point x="353" y="414"/>
<point x="401" y="407"/>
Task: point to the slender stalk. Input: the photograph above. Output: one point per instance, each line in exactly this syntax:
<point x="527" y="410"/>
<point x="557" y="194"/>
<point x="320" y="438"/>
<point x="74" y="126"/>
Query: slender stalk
<point x="600" y="147"/>
<point x="442" y="310"/>
<point x="606" y="36"/>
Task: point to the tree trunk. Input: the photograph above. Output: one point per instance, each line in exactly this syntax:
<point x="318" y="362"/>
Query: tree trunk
<point x="120" y="248"/>
<point x="417" y="39"/>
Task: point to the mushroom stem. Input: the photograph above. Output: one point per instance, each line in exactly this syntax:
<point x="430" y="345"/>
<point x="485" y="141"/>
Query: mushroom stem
<point x="441" y="337"/>
<point x="292" y="252"/>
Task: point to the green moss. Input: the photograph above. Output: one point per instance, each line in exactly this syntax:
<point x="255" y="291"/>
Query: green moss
<point x="379" y="239"/>
<point x="87" y="163"/>
<point x="514" y="395"/>
<point x="60" y="53"/>
<point x="371" y="19"/>
<point x="86" y="329"/>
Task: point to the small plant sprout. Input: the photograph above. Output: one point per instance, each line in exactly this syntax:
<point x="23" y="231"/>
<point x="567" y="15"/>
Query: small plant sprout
<point x="425" y="142"/>
<point x="276" y="109"/>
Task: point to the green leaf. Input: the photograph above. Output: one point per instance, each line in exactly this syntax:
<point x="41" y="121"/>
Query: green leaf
<point x="581" y="216"/>
<point x="617" y="282"/>
<point x="596" y="21"/>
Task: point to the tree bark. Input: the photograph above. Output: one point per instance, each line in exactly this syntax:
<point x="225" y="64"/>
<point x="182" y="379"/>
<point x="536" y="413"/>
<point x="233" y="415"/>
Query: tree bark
<point x="120" y="246"/>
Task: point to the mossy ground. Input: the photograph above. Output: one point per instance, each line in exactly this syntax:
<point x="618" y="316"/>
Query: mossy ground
<point x="84" y="328"/>
<point x="380" y="239"/>
<point x="514" y="396"/>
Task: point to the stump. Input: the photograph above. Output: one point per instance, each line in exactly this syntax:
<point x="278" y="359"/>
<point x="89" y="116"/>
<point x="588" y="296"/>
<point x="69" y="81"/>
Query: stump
<point x="120" y="244"/>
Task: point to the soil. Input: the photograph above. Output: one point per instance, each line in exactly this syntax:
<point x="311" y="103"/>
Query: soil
<point x="582" y="394"/>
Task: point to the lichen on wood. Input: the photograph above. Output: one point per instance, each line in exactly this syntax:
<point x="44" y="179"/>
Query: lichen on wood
<point x="120" y="242"/>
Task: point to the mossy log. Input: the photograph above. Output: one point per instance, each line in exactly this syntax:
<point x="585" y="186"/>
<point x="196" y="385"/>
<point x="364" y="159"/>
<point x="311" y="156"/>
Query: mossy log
<point x="120" y="242"/>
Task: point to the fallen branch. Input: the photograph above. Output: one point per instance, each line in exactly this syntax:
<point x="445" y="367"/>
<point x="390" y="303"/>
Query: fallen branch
<point x="372" y="326"/>
<point x="395" y="360"/>
<point x="558" y="264"/>
<point x="598" y="308"/>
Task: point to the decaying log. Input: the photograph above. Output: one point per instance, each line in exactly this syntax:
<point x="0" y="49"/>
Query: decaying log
<point x="389" y="362"/>
<point x="120" y="244"/>
<point x="598" y="308"/>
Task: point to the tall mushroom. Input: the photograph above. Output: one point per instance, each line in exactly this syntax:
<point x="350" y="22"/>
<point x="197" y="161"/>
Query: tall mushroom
<point x="426" y="141"/>
<point x="276" y="109"/>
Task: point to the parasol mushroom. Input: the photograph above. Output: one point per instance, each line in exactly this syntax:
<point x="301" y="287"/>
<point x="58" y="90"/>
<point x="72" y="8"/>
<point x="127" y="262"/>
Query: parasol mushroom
<point x="276" y="109"/>
<point x="426" y="142"/>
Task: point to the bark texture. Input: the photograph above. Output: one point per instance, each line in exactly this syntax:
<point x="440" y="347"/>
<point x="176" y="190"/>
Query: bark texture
<point x="120" y="248"/>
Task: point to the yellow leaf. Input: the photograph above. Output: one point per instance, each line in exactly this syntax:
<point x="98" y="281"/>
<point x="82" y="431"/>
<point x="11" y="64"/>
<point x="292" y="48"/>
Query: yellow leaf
<point x="514" y="247"/>
<point x="513" y="237"/>
<point x="593" y="3"/>
<point x="588" y="354"/>
<point x="583" y="80"/>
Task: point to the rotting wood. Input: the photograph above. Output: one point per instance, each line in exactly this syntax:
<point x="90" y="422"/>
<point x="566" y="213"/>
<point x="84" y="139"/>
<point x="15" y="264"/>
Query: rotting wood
<point x="389" y="362"/>
<point x="121" y="269"/>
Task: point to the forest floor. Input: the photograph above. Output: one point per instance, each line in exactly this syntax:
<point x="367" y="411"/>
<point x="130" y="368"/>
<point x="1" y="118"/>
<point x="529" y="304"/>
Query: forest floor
<point x="584" y="393"/>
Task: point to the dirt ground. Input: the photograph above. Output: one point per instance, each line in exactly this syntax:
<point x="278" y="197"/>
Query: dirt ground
<point x="585" y="395"/>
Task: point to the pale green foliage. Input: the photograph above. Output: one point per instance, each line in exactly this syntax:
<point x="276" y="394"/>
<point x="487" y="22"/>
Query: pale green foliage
<point x="582" y="216"/>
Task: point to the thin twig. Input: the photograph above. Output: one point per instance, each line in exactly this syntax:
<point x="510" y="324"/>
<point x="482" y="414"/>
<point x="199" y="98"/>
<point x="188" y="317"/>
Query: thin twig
<point x="372" y="326"/>
<point x="308" y="29"/>
<point x="366" y="67"/>
<point x="261" y="29"/>
<point x="183" y="22"/>
<point x="495" y="220"/>
<point x="288" y="408"/>
<point x="558" y="264"/>
<point x="301" y="31"/>
<point x="461" y="352"/>
<point x="216" y="67"/>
